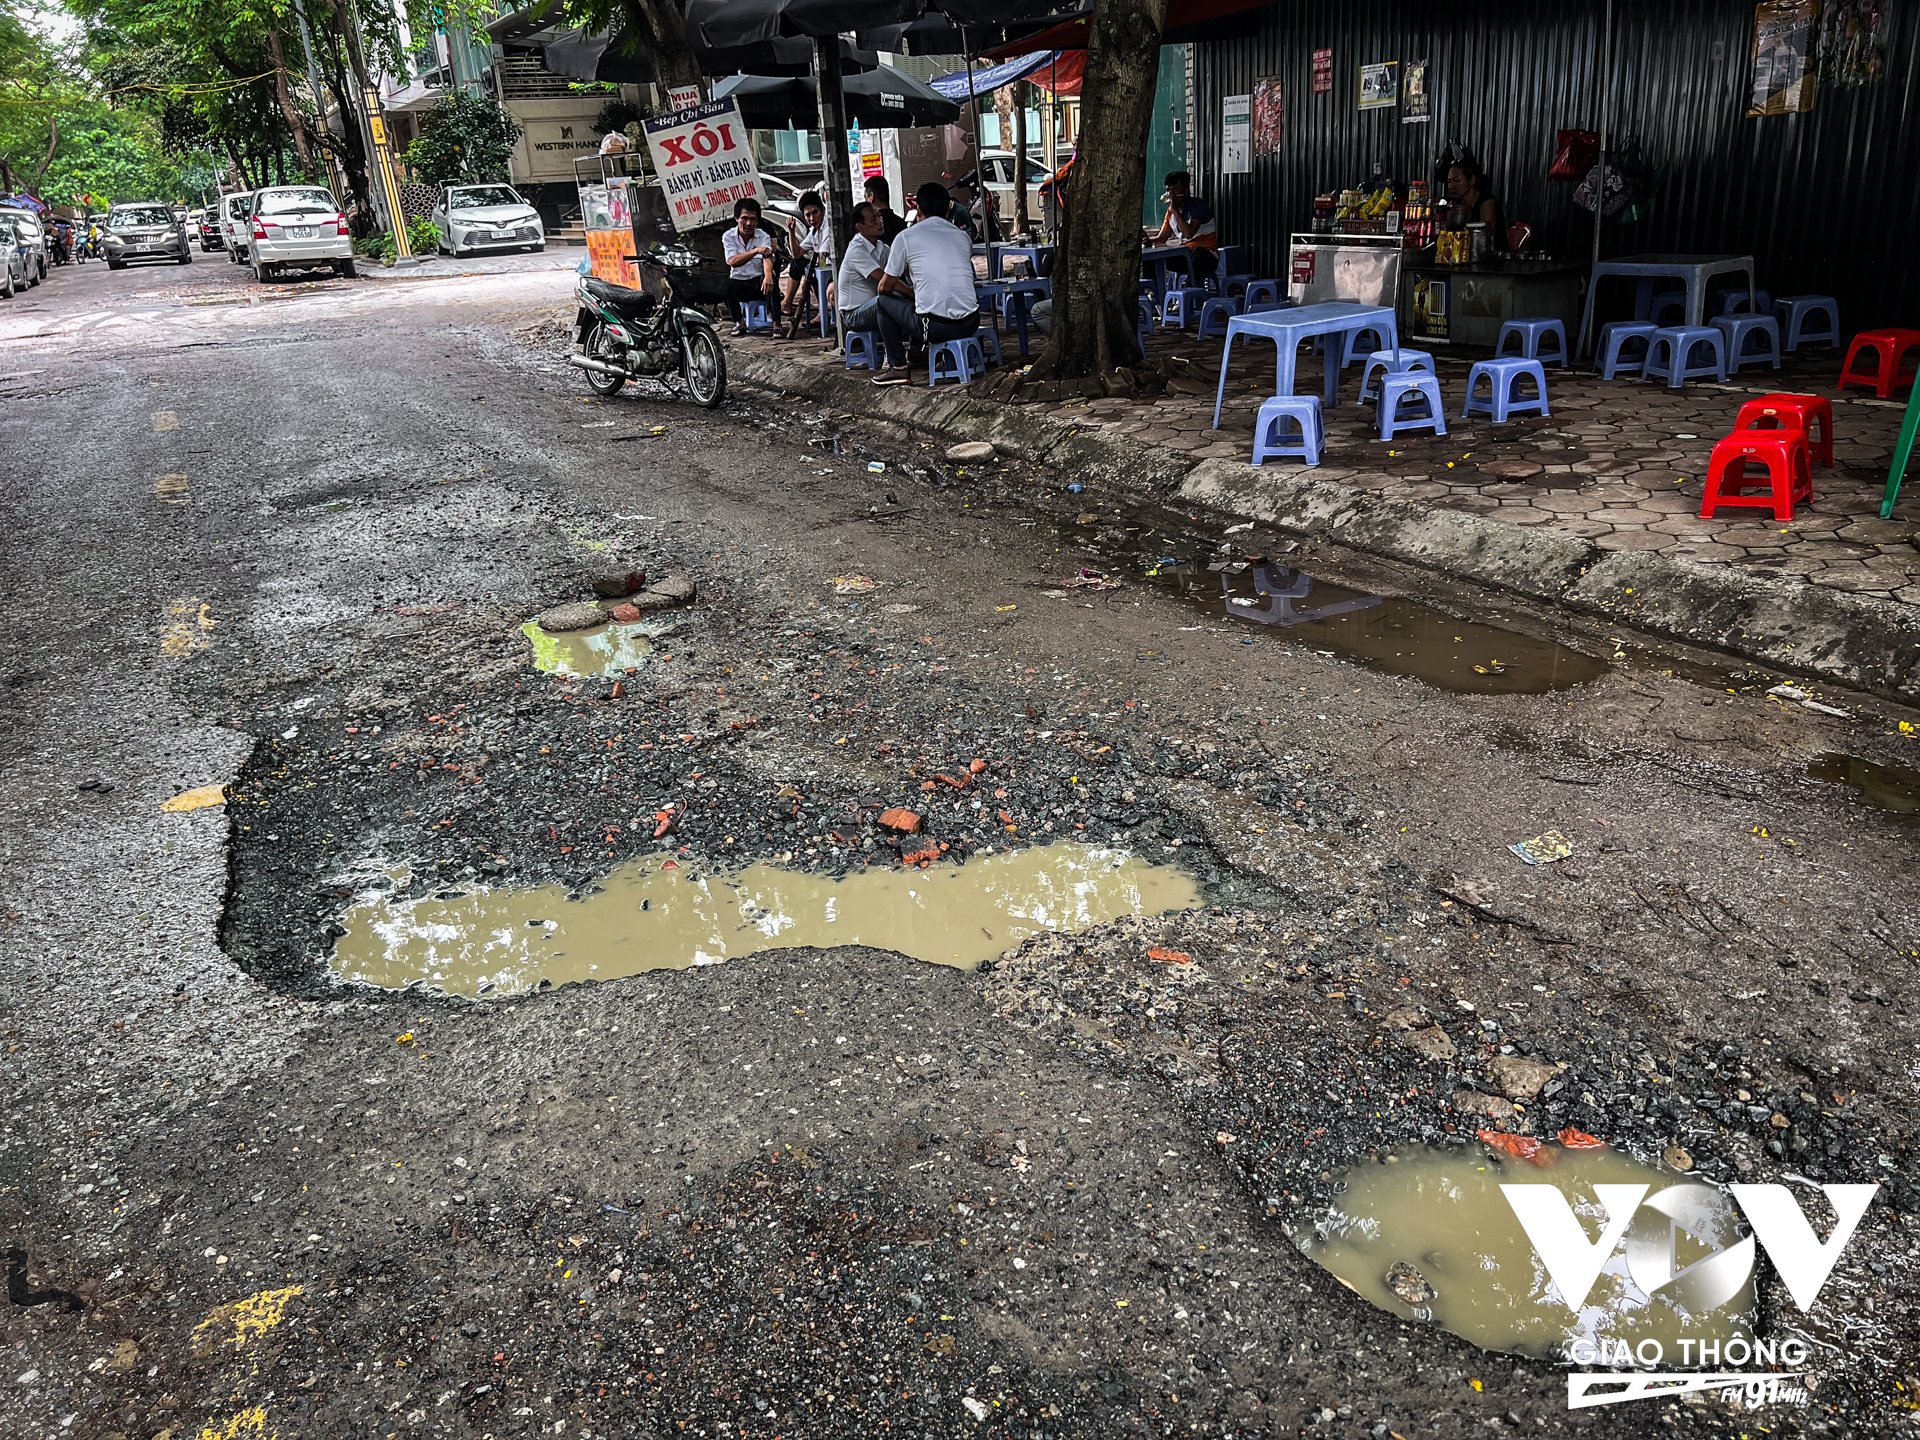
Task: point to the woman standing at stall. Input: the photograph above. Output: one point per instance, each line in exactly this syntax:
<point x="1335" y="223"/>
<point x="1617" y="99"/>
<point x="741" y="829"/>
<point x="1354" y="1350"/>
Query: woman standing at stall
<point x="1473" y="201"/>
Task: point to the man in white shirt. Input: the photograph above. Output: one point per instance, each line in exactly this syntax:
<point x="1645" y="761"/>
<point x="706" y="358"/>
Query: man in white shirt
<point x="926" y="289"/>
<point x="858" y="297"/>
<point x="809" y="248"/>
<point x="749" y="262"/>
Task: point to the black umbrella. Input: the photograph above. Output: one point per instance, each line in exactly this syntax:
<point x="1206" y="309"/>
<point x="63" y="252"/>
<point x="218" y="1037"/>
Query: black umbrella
<point x="722" y="23"/>
<point x="585" y="56"/>
<point x="883" y="98"/>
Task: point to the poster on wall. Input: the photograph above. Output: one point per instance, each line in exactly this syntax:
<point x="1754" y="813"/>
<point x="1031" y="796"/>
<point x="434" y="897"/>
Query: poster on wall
<point x="1269" y="115"/>
<point x="1376" y="86"/>
<point x="1322" y="71"/>
<point x="1853" y="42"/>
<point x="1429" y="308"/>
<point x="1416" y="105"/>
<point x="1783" y="57"/>
<point x="703" y="162"/>
<point x="1236" y="135"/>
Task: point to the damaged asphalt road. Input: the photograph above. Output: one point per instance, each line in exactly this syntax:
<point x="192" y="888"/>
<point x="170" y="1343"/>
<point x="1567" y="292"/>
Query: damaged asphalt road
<point x="827" y="1192"/>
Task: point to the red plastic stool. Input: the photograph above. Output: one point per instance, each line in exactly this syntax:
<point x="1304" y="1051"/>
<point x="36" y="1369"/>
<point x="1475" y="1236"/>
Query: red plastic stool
<point x="1793" y="412"/>
<point x="1892" y="346"/>
<point x="1788" y="478"/>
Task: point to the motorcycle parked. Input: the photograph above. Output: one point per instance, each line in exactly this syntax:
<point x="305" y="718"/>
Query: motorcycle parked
<point x="62" y="242"/>
<point x="653" y="332"/>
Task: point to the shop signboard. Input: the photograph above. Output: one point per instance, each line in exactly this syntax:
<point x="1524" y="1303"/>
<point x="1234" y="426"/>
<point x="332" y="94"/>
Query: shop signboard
<point x="1322" y="72"/>
<point x="682" y="97"/>
<point x="1376" y="86"/>
<point x="1429" y="307"/>
<point x="704" y="163"/>
<point x="1236" y="135"/>
<point x="1783" y="67"/>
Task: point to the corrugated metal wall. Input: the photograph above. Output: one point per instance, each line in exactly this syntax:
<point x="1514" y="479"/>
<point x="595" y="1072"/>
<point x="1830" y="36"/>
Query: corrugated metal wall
<point x="1828" y="202"/>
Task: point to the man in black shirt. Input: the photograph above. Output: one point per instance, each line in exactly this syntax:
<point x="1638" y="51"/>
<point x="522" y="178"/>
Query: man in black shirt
<point x="879" y="193"/>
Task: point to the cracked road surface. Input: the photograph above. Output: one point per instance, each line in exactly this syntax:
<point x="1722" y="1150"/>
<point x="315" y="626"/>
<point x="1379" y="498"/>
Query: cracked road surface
<point x="284" y="546"/>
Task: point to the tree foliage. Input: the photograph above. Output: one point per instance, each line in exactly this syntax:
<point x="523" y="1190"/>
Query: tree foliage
<point x="463" y="137"/>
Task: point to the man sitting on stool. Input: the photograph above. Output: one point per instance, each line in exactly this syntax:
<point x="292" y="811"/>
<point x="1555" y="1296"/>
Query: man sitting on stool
<point x="860" y="272"/>
<point x="926" y="289"/>
<point x="1190" y="223"/>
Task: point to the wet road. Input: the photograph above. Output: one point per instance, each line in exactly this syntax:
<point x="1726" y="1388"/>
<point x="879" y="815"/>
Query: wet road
<point x="283" y="539"/>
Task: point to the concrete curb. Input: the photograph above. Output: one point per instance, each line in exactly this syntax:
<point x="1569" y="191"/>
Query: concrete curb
<point x="1852" y="640"/>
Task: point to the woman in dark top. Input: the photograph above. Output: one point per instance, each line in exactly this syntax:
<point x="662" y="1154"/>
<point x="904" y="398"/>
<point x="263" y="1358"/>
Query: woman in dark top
<point x="1473" y="200"/>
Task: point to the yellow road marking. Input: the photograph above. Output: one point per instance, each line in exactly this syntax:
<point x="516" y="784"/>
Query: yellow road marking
<point x="247" y="1425"/>
<point x="199" y="799"/>
<point x="186" y="635"/>
<point x="165" y="420"/>
<point x="171" y="489"/>
<point x="250" y="1318"/>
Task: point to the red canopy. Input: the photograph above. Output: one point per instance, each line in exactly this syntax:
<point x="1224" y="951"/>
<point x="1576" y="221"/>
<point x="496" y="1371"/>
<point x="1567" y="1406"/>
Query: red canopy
<point x="1063" y="77"/>
<point x="1072" y="34"/>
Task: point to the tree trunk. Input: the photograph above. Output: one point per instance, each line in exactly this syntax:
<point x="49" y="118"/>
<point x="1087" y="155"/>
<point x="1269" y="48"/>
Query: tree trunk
<point x="662" y="27"/>
<point x="352" y="150"/>
<point x="53" y="144"/>
<point x="1096" y="274"/>
<point x="295" y="120"/>
<point x="1022" y="222"/>
<point x="828" y="83"/>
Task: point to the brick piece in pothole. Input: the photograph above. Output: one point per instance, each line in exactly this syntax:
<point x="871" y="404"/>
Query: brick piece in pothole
<point x="570" y="617"/>
<point x="635" y="606"/>
<point x="676" y="588"/>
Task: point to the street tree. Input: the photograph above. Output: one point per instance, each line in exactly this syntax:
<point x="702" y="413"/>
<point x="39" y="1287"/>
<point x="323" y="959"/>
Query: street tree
<point x="463" y="137"/>
<point x="1096" y="274"/>
<point x="651" y="27"/>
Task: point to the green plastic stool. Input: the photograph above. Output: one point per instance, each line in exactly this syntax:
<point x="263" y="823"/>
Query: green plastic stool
<point x="1901" y="452"/>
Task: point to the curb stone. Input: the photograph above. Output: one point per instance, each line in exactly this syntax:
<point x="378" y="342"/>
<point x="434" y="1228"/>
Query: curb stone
<point x="1853" y="640"/>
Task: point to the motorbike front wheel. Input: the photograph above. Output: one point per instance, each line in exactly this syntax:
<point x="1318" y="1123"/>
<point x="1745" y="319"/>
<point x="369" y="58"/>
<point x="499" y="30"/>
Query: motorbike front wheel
<point x="704" y="366"/>
<point x="600" y="348"/>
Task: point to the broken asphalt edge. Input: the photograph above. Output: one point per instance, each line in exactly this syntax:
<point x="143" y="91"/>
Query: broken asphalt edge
<point x="1858" y="641"/>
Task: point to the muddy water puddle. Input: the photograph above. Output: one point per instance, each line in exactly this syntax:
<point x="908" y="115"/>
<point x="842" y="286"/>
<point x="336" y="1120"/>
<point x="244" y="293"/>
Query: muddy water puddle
<point x="1385" y="633"/>
<point x="500" y="942"/>
<point x="1429" y="1235"/>
<point x="1893" y="788"/>
<point x="600" y="650"/>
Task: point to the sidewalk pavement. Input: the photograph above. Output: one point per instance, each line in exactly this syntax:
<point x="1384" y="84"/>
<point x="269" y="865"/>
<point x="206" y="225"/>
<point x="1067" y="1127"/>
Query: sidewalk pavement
<point x="1596" y="507"/>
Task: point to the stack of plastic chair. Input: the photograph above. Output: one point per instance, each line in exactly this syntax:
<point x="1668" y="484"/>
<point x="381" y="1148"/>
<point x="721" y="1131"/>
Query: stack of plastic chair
<point x="1892" y="347"/>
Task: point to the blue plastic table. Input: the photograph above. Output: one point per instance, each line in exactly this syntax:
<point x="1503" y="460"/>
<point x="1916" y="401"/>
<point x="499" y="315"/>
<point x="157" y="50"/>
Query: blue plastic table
<point x="1693" y="271"/>
<point x="1287" y="328"/>
<point x="1158" y="256"/>
<point x="1032" y="252"/>
<point x="1018" y="296"/>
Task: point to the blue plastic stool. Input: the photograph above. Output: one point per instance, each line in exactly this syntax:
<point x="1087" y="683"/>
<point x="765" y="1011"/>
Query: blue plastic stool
<point x="1612" y="359"/>
<point x="757" y="316"/>
<point x="863" y="346"/>
<point x="1258" y="290"/>
<point x="992" y="342"/>
<point x="1146" y="320"/>
<point x="1670" y="355"/>
<point x="966" y="360"/>
<point x="1269" y="430"/>
<point x="1392" y="362"/>
<point x="1404" y="385"/>
<point x="1798" y="309"/>
<point x="1734" y="302"/>
<point x="1531" y="333"/>
<point x="1181" y="305"/>
<point x="1260" y="307"/>
<point x="1674" y="301"/>
<point x="1741" y="331"/>
<point x="1233" y="262"/>
<point x="1356" y="349"/>
<point x="1503" y="379"/>
<point x="1214" y="315"/>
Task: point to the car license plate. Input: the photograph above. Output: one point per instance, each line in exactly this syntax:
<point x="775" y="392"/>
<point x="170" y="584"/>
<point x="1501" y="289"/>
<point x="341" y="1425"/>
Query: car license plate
<point x="300" y="232"/>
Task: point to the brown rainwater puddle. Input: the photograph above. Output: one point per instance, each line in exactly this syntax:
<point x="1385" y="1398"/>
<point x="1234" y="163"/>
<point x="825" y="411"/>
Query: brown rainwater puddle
<point x="500" y="942"/>
<point x="1893" y="788"/>
<point x="600" y="650"/>
<point x="1441" y="1211"/>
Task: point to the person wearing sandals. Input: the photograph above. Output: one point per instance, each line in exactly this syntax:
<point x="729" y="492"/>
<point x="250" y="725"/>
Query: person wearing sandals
<point x="926" y="289"/>
<point x="811" y="248"/>
<point x="860" y="272"/>
<point x="749" y="262"/>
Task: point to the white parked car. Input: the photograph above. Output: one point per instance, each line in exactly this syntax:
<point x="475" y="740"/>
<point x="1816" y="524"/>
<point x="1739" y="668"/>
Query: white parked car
<point x="34" y="233"/>
<point x="236" y="224"/>
<point x="298" y="227"/>
<point x="486" y="217"/>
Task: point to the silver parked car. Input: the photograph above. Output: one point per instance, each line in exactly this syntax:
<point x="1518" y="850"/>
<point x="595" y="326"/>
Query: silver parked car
<point x="34" y="233"/>
<point x="486" y="217"/>
<point x="298" y="227"/>
<point x="236" y="225"/>
<point x="17" y="270"/>
<point x="146" y="230"/>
